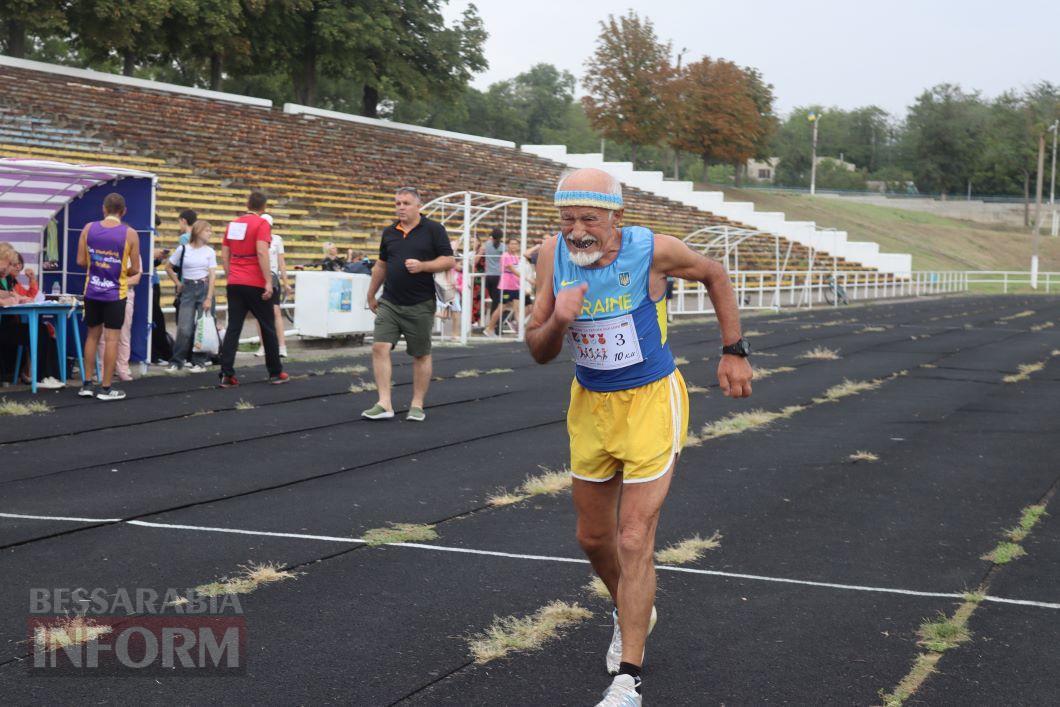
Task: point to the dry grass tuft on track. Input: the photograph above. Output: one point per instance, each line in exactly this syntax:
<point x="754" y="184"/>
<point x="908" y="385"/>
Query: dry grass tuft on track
<point x="251" y="577"/>
<point x="763" y="373"/>
<point x="549" y="482"/>
<point x="69" y="631"/>
<point x="362" y="387"/>
<point x="1029" y="518"/>
<point x="1026" y="369"/>
<point x="743" y="421"/>
<point x="693" y="440"/>
<point x="33" y="407"/>
<point x="863" y="456"/>
<point x="688" y="550"/>
<point x="353" y="370"/>
<point x="1004" y="553"/>
<point x="510" y="634"/>
<point x="820" y="353"/>
<point x="244" y="405"/>
<point x="400" y="533"/>
<point x="597" y="588"/>
<point x="846" y="389"/>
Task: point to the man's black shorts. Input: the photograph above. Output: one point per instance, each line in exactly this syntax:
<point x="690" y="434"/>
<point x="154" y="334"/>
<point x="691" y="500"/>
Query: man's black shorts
<point x="110" y="314"/>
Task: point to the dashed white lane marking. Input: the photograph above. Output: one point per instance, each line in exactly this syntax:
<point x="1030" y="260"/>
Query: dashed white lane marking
<point x="539" y="558"/>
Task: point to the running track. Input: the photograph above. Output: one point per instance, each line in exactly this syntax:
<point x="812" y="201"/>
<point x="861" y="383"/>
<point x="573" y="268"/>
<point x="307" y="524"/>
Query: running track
<point x="825" y="569"/>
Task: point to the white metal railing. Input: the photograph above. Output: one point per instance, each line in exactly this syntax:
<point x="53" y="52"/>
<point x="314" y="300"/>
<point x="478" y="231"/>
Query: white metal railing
<point x="991" y="280"/>
<point x="763" y="290"/>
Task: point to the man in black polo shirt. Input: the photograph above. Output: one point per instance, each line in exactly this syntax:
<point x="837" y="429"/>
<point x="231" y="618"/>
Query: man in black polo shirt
<point x="411" y="251"/>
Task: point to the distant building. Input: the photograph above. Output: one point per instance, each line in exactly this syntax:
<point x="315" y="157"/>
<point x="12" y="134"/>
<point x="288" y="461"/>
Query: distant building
<point x="762" y="171"/>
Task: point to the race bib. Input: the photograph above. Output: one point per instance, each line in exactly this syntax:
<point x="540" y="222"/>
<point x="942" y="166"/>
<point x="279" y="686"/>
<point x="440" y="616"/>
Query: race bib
<point x="237" y="231"/>
<point x="605" y="345"/>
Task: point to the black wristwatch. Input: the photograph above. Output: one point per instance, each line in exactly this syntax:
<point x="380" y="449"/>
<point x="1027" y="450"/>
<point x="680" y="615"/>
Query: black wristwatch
<point x="740" y="348"/>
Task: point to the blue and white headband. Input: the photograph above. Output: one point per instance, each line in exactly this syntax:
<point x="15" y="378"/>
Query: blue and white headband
<point x="599" y="200"/>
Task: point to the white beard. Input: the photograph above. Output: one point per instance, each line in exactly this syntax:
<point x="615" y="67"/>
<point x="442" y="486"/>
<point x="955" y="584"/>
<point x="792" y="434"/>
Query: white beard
<point x="584" y="259"/>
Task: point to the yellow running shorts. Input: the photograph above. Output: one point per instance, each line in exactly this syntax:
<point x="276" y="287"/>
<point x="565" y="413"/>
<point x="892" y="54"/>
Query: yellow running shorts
<point x="636" y="432"/>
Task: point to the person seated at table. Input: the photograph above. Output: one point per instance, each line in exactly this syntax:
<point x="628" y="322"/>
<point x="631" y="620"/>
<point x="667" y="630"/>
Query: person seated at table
<point x="31" y="288"/>
<point x="14" y="332"/>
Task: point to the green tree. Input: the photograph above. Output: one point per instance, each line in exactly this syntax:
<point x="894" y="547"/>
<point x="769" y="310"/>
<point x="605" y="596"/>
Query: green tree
<point x="714" y="113"/>
<point x="126" y="29"/>
<point x="420" y="57"/>
<point x="625" y="78"/>
<point x="522" y="109"/>
<point x="944" y="136"/>
<point x="543" y="95"/>
<point x="21" y="20"/>
<point x="204" y="38"/>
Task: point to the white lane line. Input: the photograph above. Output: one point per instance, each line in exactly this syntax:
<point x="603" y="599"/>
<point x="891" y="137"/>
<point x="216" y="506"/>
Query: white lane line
<point x="544" y="558"/>
<point x="300" y="536"/>
<point x="811" y="583"/>
<point x="72" y="520"/>
<point x="1023" y="602"/>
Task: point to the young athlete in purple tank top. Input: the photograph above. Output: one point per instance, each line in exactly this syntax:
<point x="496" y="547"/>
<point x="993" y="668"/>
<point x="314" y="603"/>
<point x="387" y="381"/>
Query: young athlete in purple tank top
<point x="110" y="253"/>
<point x="108" y="247"/>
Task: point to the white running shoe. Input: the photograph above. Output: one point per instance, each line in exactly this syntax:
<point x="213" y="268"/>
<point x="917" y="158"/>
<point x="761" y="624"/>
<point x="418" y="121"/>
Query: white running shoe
<point x="197" y="368"/>
<point x="50" y="383"/>
<point x="614" y="651"/>
<point x="622" y="693"/>
<point x="260" y="352"/>
<point x="283" y="352"/>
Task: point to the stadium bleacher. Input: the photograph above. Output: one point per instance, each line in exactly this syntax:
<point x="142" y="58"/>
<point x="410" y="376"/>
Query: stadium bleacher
<point x="328" y="180"/>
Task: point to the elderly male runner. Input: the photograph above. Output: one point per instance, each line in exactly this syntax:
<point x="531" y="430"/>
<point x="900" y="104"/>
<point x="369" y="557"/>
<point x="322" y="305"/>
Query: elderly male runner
<point x="601" y="288"/>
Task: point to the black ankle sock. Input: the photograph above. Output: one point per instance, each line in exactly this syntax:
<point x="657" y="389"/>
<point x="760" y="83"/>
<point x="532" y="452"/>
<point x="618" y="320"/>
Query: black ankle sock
<point x="630" y="669"/>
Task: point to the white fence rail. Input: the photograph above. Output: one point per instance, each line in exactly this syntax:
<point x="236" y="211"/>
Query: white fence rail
<point x="1007" y="280"/>
<point x="764" y="290"/>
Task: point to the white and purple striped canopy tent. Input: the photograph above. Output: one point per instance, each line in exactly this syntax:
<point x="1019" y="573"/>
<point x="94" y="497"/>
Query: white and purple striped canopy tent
<point x="37" y="193"/>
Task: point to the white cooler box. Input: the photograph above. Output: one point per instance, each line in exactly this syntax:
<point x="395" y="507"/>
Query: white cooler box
<point x="332" y="304"/>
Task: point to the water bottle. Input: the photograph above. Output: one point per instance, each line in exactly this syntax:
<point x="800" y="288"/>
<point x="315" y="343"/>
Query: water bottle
<point x="57" y="289"/>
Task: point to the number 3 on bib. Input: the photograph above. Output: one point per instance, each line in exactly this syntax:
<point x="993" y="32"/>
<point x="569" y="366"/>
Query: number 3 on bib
<point x="605" y="345"/>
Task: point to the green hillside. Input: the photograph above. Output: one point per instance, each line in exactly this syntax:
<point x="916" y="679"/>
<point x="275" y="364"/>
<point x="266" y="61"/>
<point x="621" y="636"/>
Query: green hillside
<point x="936" y="242"/>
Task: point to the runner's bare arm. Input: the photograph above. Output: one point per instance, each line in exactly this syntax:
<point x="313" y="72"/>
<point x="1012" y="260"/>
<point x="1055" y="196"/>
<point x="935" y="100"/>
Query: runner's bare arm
<point x="82" y="247"/>
<point x="378" y="275"/>
<point x="135" y="267"/>
<point x="552" y="315"/>
<point x="674" y="258"/>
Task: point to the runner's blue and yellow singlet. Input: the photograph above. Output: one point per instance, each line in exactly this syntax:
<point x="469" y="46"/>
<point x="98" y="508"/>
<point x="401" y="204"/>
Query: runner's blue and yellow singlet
<point x="619" y="339"/>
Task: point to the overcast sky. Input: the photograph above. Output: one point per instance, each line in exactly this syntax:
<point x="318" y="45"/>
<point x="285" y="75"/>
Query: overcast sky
<point x="846" y="53"/>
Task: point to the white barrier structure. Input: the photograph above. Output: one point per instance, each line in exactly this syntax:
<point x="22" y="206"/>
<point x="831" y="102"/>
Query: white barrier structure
<point x="761" y="289"/>
<point x="803" y="232"/>
<point x="467" y="209"/>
